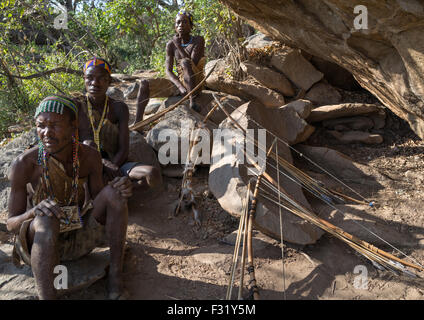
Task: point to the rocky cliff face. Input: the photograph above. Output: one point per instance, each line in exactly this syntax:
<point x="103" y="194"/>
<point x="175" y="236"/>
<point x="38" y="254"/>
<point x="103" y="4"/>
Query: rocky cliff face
<point x="387" y="58"/>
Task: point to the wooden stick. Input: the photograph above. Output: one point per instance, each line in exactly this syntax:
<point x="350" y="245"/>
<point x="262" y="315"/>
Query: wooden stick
<point x="243" y="254"/>
<point x="341" y="231"/>
<point x="250" y="266"/>
<point x="143" y="123"/>
<point x="311" y="217"/>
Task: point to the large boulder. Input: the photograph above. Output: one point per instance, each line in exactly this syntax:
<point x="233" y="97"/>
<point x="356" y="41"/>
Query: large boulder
<point x="386" y="56"/>
<point x="302" y="107"/>
<point x="269" y="78"/>
<point x="9" y="153"/>
<point x="229" y="174"/>
<point x="206" y="102"/>
<point x="295" y="67"/>
<point x="246" y="90"/>
<point x="170" y="136"/>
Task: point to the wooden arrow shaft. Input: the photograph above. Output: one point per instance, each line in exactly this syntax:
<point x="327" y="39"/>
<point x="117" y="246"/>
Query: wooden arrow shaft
<point x="313" y="218"/>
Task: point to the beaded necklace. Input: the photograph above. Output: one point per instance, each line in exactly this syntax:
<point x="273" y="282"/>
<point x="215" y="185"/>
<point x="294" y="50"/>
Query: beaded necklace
<point x="186" y="44"/>
<point x="75" y="176"/>
<point x="96" y="132"/>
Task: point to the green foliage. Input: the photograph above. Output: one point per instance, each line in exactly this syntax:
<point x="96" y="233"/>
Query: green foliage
<point x="130" y="34"/>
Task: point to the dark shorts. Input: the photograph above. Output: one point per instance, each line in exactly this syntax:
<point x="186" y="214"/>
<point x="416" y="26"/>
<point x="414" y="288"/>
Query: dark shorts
<point x="127" y="167"/>
<point x="72" y="244"/>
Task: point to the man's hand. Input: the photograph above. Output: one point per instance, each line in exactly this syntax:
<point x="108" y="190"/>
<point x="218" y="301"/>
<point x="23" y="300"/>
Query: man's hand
<point x="48" y="208"/>
<point x="123" y="185"/>
<point x="110" y="169"/>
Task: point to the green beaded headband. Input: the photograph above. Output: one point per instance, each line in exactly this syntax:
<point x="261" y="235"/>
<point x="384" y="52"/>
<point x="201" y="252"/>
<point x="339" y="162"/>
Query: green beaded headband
<point x="55" y="104"/>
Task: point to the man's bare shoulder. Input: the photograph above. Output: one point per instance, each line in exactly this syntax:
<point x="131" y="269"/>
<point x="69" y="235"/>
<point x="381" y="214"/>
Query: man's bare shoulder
<point x="120" y="108"/>
<point x="170" y="43"/>
<point x="198" y="39"/>
<point x="170" y="46"/>
<point x="117" y="104"/>
<point x="25" y="163"/>
<point x="89" y="154"/>
<point x="90" y="160"/>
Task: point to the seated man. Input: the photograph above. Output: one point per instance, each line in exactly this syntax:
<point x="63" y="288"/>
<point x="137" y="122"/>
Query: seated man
<point x="51" y="210"/>
<point x="103" y="124"/>
<point x="188" y="52"/>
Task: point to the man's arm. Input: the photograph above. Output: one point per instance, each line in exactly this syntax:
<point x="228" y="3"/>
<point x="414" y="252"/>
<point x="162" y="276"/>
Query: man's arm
<point x="18" y="195"/>
<point x="122" y="113"/>
<point x="95" y="176"/>
<point x="21" y="174"/>
<point x="84" y="127"/>
<point x="169" y="63"/>
<point x="198" y="50"/>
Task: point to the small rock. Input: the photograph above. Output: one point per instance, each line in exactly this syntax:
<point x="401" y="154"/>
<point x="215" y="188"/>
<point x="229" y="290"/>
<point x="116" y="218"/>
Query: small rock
<point x="115" y="93"/>
<point x="132" y="91"/>
<point x="257" y="41"/>
<point x="152" y="107"/>
<point x="341" y="110"/>
<point x="356" y="136"/>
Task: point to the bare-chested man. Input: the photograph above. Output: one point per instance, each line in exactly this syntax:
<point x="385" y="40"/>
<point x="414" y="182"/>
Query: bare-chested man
<point x="69" y="211"/>
<point x="188" y="51"/>
<point x="103" y="124"/>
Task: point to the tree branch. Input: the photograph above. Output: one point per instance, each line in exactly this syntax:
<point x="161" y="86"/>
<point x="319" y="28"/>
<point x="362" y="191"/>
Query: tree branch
<point x="44" y="73"/>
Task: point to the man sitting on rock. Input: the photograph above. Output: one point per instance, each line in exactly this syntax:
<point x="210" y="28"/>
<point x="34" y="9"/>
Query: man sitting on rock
<point x="59" y="208"/>
<point x="188" y="52"/>
<point x="103" y="124"/>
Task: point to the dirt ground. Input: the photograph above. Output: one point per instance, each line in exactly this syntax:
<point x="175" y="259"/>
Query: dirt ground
<point x="169" y="258"/>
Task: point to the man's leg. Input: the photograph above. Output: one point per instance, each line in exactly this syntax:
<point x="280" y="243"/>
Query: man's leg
<point x="110" y="209"/>
<point x="189" y="80"/>
<point x="43" y="235"/>
<point x="142" y="100"/>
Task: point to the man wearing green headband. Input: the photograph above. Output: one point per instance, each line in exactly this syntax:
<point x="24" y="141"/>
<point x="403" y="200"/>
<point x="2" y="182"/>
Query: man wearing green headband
<point x="69" y="211"/>
<point x="188" y="51"/>
<point x="103" y="124"/>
